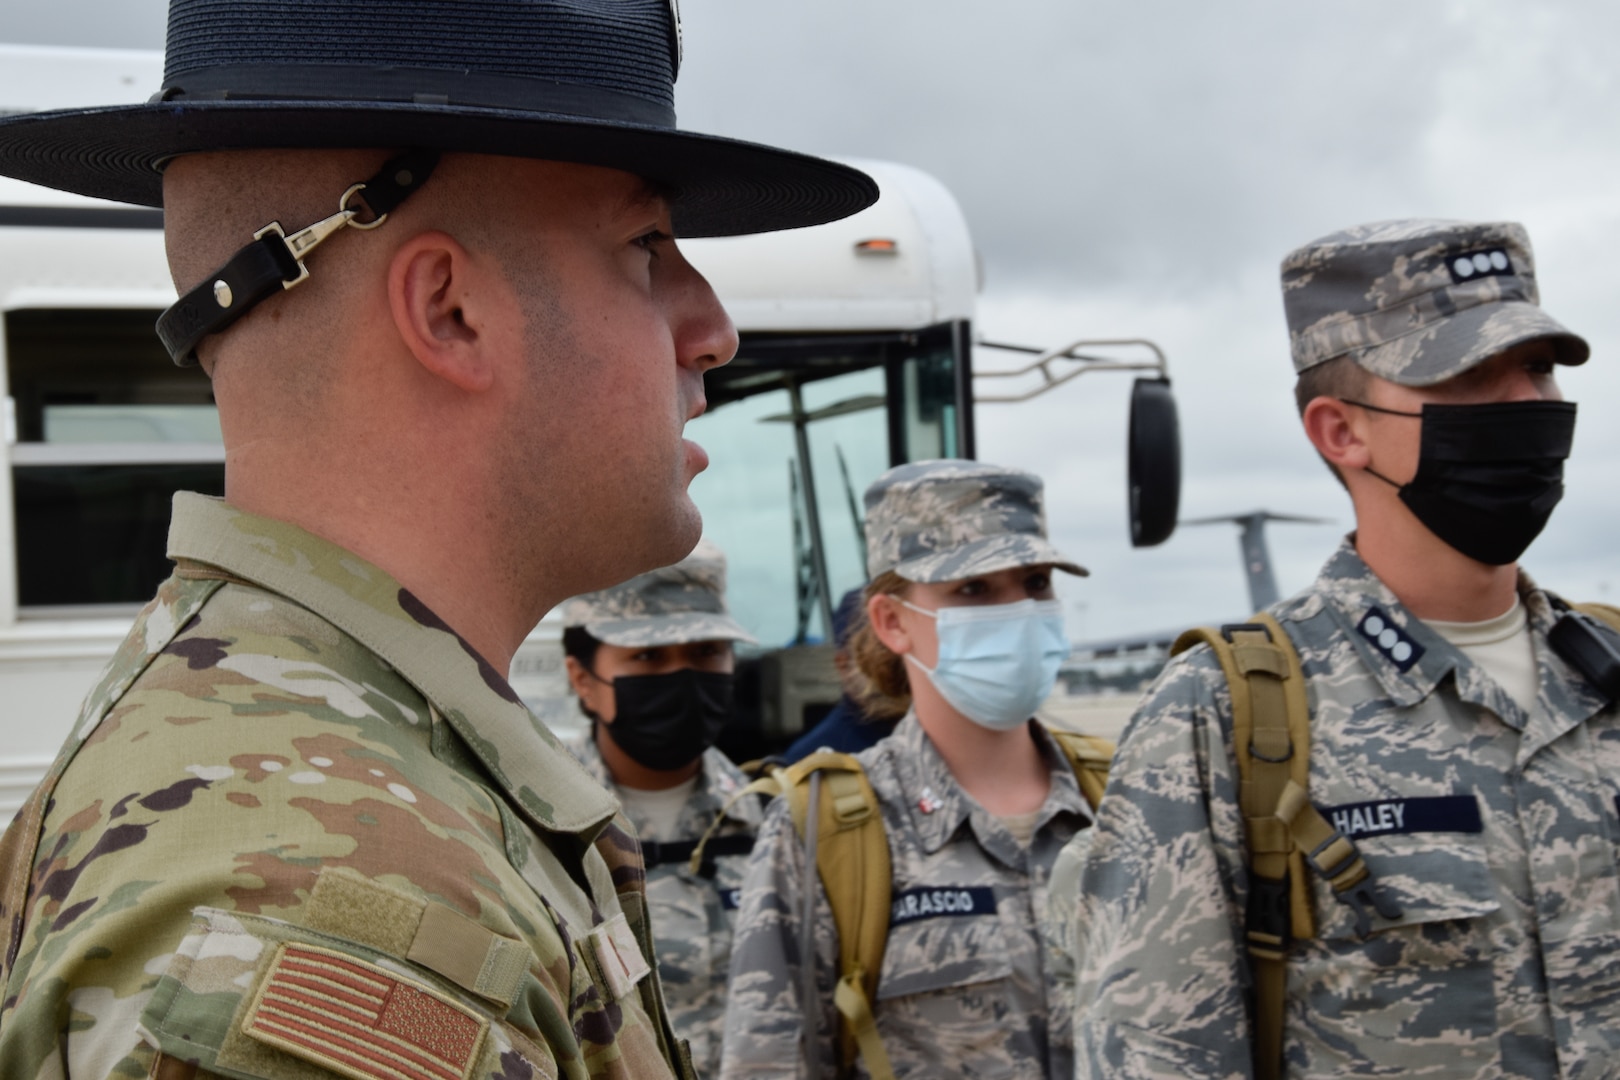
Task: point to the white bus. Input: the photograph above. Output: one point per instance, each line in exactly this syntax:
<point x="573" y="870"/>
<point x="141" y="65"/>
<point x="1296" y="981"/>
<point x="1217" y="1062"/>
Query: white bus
<point x="855" y="355"/>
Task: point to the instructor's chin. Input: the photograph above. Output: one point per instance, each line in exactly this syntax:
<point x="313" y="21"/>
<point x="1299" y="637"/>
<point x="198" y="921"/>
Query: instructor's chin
<point x="687" y="529"/>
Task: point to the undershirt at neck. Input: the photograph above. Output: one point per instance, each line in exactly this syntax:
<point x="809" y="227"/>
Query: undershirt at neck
<point x="655" y="813"/>
<point x="1022" y="826"/>
<point x="1501" y="646"/>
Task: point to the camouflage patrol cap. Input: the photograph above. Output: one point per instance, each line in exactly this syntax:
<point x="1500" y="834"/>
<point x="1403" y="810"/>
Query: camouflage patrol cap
<point x="1418" y="302"/>
<point x="670" y="606"/>
<point x="933" y="521"/>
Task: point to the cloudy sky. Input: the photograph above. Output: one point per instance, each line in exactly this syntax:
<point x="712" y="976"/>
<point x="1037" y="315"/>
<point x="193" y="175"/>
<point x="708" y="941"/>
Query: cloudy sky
<point x="1139" y="168"/>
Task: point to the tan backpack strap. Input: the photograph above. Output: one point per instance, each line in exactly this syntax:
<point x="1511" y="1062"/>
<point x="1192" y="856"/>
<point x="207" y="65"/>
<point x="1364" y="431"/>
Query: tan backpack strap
<point x="770" y="786"/>
<point x="1271" y="741"/>
<point x="1281" y="731"/>
<point x="1089" y="756"/>
<point x="855" y="1006"/>
<point x="1257" y="677"/>
<point x="852" y="859"/>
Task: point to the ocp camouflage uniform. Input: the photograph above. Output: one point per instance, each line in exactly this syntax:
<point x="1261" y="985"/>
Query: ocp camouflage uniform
<point x="301" y="827"/>
<point x="1494" y="831"/>
<point x="964" y="989"/>
<point x="694" y="914"/>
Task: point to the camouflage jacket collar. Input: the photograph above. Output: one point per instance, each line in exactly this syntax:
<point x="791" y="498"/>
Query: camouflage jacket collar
<point x="938" y="805"/>
<point x="1410" y="659"/>
<point x="718" y="781"/>
<point x="542" y="779"/>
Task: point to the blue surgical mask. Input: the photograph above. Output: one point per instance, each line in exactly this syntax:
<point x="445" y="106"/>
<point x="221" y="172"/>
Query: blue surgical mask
<point x="997" y="663"/>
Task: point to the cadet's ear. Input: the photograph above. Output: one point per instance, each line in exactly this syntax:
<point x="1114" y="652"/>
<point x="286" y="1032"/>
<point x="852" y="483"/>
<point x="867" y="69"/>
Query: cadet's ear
<point x="883" y="613"/>
<point x="578" y="677"/>
<point x="1335" y="429"/>
<point x="441" y="312"/>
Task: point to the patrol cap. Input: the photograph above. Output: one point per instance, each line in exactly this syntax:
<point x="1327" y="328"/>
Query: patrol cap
<point x="933" y="521"/>
<point x="1418" y="302"/>
<point x="670" y="606"/>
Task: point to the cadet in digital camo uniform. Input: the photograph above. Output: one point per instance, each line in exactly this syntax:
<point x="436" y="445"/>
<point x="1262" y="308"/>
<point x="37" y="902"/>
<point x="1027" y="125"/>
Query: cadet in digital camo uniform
<point x="651" y="661"/>
<point x="962" y="637"/>
<point x="303" y="825"/>
<point x="1473" y="767"/>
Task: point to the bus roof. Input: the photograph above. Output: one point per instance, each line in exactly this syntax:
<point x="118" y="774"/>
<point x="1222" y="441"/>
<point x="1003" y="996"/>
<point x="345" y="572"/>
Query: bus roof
<point x="904" y="263"/>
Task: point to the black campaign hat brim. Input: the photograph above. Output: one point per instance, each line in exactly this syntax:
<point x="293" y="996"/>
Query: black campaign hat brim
<point x="719" y="186"/>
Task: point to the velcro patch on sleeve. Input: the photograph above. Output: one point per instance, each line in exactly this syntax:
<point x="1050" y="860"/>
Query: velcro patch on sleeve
<point x="361" y="1021"/>
<point x="618" y="956"/>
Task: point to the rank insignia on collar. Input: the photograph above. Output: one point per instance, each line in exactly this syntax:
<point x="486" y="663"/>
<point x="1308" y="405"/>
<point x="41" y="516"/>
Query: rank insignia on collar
<point x="928" y="802"/>
<point x="1389" y="639"/>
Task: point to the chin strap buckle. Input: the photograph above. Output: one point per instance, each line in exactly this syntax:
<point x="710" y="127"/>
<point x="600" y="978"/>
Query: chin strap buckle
<point x="275" y="261"/>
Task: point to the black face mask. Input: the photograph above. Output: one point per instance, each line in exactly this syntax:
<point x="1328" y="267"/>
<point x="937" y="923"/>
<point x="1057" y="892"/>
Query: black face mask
<point x="1488" y="476"/>
<point x="665" y="722"/>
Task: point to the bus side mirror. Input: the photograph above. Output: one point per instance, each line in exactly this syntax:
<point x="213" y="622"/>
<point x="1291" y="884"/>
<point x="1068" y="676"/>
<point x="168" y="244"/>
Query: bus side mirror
<point x="1153" y="462"/>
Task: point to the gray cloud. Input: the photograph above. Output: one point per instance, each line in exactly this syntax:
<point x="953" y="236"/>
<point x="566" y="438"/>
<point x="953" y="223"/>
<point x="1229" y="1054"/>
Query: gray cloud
<point x="1093" y="141"/>
<point x="1139" y="168"/>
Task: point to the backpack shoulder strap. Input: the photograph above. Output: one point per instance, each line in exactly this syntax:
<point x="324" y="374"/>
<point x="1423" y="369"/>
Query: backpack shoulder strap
<point x="1271" y="741"/>
<point x="852" y="860"/>
<point x="1089" y="756"/>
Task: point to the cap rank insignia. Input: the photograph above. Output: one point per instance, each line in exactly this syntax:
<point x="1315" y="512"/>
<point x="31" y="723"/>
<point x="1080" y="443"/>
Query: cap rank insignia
<point x="1485" y="262"/>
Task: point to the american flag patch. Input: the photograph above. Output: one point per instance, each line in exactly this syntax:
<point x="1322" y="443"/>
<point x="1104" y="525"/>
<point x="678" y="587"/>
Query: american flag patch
<point x="361" y="1021"/>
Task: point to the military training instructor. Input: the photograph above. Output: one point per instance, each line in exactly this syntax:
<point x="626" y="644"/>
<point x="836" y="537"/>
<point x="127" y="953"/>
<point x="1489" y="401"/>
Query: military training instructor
<point x="303" y="825"/>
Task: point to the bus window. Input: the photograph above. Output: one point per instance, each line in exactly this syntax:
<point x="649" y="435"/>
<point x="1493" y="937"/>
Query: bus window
<point x="107" y="429"/>
<point x="931" y="384"/>
<point x="865" y="402"/>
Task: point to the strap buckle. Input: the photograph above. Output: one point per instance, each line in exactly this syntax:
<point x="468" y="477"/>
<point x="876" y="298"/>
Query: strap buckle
<point x="276" y="259"/>
<point x="307" y="239"/>
<point x="1352" y="883"/>
<point x="1268" y="919"/>
<point x="1359" y="898"/>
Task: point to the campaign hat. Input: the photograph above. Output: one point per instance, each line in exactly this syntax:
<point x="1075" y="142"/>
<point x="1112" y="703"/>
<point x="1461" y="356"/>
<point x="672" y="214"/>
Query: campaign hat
<point x="673" y="605"/>
<point x="584" y="81"/>
<point x="1418" y="301"/>
<point x="945" y="520"/>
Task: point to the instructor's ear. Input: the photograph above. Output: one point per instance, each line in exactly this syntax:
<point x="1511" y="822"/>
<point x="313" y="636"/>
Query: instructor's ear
<point x="444" y="305"/>
<point x="1336" y="430"/>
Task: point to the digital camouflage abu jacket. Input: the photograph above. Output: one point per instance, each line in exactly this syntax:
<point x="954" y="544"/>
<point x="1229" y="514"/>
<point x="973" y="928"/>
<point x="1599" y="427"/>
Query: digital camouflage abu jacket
<point x="1496" y="832"/>
<point x="964" y="990"/>
<point x="301" y="829"/>
<point x="694" y="914"/>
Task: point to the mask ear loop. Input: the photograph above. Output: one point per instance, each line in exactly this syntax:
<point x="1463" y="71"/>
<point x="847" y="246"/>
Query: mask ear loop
<point x="919" y="610"/>
<point x="1381" y="409"/>
<point x="586" y="709"/>
<point x="1387" y="412"/>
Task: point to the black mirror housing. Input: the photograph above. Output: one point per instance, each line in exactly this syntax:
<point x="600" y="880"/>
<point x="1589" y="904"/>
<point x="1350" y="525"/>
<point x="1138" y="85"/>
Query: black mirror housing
<point x="1153" y="463"/>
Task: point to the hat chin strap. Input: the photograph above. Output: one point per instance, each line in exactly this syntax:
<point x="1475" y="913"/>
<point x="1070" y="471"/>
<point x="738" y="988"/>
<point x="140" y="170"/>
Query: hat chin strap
<point x="274" y="261"/>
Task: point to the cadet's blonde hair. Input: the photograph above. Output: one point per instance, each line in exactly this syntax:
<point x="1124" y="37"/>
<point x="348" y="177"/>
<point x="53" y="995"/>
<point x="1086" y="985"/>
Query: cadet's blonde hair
<point x="883" y="689"/>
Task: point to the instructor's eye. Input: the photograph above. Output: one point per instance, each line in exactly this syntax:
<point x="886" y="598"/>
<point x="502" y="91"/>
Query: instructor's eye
<point x="649" y="240"/>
